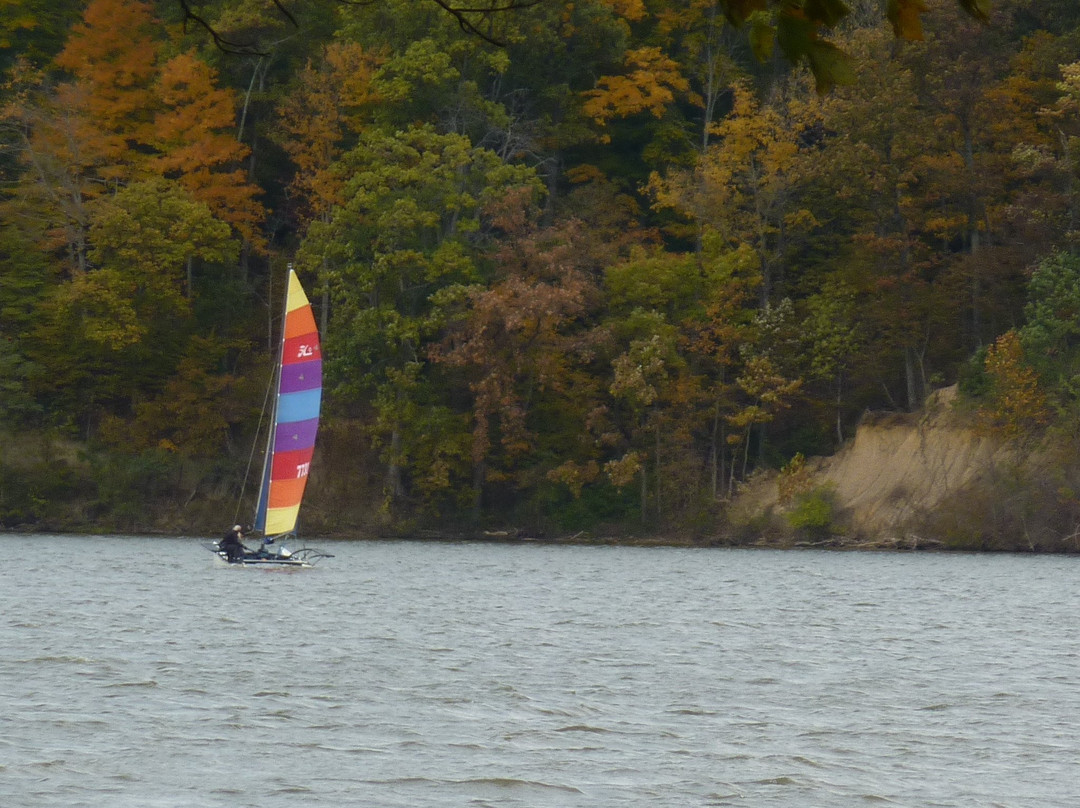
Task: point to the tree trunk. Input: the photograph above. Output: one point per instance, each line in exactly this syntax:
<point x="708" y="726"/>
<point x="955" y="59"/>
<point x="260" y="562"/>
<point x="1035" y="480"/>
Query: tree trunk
<point x="659" y="478"/>
<point x="394" y="485"/>
<point x="714" y="453"/>
<point x="909" y="377"/>
<point x="479" y="475"/>
<point x="839" y="405"/>
<point x="644" y="493"/>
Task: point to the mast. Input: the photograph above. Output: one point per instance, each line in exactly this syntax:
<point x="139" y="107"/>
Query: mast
<point x="275" y="380"/>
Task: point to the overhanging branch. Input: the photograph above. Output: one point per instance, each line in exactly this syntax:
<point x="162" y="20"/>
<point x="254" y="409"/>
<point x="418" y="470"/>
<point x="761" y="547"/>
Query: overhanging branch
<point x="470" y="18"/>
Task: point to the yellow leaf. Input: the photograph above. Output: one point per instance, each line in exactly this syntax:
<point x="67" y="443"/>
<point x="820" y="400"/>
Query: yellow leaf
<point x="648" y="87"/>
<point x="632" y="10"/>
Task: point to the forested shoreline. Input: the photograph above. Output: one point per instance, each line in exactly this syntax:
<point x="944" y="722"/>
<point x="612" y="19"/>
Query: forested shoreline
<point x="577" y="267"/>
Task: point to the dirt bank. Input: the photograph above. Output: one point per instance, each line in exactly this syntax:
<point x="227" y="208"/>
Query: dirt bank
<point x="897" y="470"/>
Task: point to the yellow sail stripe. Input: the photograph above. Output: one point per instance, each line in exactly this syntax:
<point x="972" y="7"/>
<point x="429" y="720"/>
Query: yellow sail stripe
<point x="281" y="520"/>
<point x="296" y="297"/>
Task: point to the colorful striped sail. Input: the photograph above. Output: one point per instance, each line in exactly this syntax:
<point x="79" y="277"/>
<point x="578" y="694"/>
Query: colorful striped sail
<point x="296" y="417"/>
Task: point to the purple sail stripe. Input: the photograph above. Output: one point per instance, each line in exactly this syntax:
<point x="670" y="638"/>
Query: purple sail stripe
<point x="301" y="376"/>
<point x="297" y="435"/>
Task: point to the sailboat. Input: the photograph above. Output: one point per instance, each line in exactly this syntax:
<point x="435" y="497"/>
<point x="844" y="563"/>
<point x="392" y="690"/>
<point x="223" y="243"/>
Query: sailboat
<point x="291" y="440"/>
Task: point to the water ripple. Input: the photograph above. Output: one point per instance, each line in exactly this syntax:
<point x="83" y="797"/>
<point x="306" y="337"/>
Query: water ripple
<point x="418" y="675"/>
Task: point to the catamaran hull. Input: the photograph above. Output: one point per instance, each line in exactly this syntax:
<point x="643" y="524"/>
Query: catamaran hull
<point x="300" y="559"/>
<point x="264" y="563"/>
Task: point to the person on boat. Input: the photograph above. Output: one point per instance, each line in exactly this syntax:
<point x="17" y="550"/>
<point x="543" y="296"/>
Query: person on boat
<point x="233" y="544"/>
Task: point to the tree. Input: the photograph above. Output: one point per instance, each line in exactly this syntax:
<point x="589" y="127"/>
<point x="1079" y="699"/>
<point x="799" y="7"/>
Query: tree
<point x="418" y="207"/>
<point x="111" y="57"/>
<point x="477" y="21"/>
<point x="24" y="281"/>
<point x="322" y="116"/>
<point x="151" y="230"/>
<point x="34" y="30"/>
<point x="521" y="346"/>
<point x="766" y="392"/>
<point x="643" y="378"/>
<point x="194" y="134"/>
<point x="834" y="338"/>
<point x="108" y="337"/>
<point x="1018" y="405"/>
<point x="862" y="191"/>
<point x="1051" y="336"/>
<point x="673" y="318"/>
<point x="88" y="136"/>
<point x="795" y="27"/>
<point x="713" y="336"/>
<point x="745" y="185"/>
<point x="650" y="86"/>
<point x="699" y="34"/>
<point x="191" y="415"/>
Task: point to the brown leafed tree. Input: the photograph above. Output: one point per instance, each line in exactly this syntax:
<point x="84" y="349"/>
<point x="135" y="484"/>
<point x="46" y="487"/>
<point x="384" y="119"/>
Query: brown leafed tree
<point x="519" y="344"/>
<point x="194" y="134"/>
<point x="111" y="57"/>
<point x="321" y="117"/>
<point x="87" y="136"/>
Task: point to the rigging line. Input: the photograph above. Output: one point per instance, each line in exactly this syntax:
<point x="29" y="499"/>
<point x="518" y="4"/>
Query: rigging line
<point x="262" y="414"/>
<point x="254" y="443"/>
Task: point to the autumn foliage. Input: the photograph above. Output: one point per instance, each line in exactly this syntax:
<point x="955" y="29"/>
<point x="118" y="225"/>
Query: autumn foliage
<point x="593" y="264"/>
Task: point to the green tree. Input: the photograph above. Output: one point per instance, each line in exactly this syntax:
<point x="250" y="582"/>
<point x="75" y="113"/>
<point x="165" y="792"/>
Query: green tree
<point x="418" y="210"/>
<point x="834" y="338"/>
<point x="1051" y="336"/>
<point x="863" y="191"/>
<point x="24" y="281"/>
<point x="713" y="336"/>
<point x="796" y="28"/>
<point x="109" y="336"/>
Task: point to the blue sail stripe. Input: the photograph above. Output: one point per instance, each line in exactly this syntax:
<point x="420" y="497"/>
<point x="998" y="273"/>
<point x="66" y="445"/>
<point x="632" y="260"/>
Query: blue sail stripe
<point x="300" y="406"/>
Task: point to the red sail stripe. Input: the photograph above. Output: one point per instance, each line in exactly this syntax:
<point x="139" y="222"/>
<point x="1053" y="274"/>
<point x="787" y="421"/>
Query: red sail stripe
<point x="301" y="348"/>
<point x="291" y="465"/>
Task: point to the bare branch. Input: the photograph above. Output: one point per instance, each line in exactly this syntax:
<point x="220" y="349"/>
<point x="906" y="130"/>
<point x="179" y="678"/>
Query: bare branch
<point x="495" y="7"/>
<point x="226" y="45"/>
<point x="469" y="18"/>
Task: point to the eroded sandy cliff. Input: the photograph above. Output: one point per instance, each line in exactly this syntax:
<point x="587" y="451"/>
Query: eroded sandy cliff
<point x="898" y="468"/>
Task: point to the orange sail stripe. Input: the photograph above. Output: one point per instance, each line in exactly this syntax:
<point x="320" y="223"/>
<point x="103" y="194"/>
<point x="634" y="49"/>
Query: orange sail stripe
<point x="284" y="493"/>
<point x="299" y="322"/>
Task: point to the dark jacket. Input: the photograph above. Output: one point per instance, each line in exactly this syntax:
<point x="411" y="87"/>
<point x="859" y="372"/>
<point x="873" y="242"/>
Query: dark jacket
<point x="233" y="548"/>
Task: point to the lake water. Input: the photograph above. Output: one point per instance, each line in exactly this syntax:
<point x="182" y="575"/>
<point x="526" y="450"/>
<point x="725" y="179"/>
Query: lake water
<point x="135" y="673"/>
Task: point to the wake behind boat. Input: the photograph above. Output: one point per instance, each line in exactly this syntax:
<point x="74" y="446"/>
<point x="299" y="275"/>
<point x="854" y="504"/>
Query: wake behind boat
<point x="290" y="444"/>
